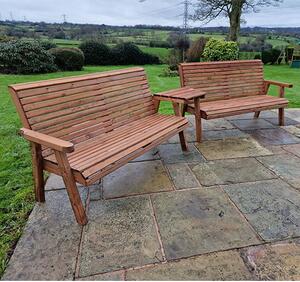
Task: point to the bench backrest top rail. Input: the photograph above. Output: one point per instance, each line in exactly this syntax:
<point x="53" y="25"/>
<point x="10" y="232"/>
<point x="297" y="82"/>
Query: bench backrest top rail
<point x="82" y="107"/>
<point x="224" y="80"/>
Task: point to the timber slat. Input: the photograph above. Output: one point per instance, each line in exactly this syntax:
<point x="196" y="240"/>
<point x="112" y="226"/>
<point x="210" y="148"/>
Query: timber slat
<point x="231" y="88"/>
<point x="108" y="118"/>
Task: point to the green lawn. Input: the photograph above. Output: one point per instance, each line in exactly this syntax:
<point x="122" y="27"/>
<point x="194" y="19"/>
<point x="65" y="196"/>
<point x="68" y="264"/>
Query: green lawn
<point x="16" y="197"/>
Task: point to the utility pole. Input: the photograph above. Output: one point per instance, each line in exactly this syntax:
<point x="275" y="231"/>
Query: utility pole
<point x="186" y="4"/>
<point x="64" y="16"/>
<point x="11" y="16"/>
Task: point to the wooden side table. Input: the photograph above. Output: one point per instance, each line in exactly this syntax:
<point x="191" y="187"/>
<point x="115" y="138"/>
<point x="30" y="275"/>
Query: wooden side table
<point x="183" y="96"/>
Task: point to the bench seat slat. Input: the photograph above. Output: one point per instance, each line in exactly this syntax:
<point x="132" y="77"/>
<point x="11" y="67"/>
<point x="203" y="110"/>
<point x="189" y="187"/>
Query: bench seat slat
<point x="97" y="153"/>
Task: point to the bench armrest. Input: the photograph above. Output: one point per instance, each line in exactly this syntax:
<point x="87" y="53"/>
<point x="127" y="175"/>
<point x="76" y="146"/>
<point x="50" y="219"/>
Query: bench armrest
<point x="280" y="84"/>
<point x="184" y="95"/>
<point x="47" y="141"/>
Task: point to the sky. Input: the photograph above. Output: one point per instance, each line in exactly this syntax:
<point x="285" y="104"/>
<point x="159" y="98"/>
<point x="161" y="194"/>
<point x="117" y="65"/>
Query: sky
<point x="132" y="12"/>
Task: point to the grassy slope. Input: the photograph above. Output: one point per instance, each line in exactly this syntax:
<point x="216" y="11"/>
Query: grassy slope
<point x="16" y="197"/>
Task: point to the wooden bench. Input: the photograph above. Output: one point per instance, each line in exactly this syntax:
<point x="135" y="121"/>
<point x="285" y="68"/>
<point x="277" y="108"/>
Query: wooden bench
<point x="85" y="127"/>
<point x="230" y="88"/>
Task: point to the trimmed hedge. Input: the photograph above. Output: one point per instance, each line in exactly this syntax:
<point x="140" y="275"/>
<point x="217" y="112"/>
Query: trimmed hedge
<point x="130" y="54"/>
<point x="270" y="56"/>
<point x="220" y="50"/>
<point x="68" y="59"/>
<point x="95" y="53"/>
<point x="23" y="57"/>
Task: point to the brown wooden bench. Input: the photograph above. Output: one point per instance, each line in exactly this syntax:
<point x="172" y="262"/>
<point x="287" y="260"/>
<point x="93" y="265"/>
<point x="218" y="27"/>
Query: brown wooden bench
<point x="85" y="127"/>
<point x="230" y="88"/>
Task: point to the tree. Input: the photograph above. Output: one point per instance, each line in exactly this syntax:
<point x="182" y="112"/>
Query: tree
<point x="208" y="10"/>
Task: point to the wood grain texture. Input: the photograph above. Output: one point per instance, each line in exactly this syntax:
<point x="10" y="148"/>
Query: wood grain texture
<point x="231" y="88"/>
<point x="84" y="127"/>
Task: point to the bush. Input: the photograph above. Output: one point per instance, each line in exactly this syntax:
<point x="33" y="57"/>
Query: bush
<point x="270" y="56"/>
<point x="96" y="53"/>
<point x="47" y="45"/>
<point x="23" y="57"/>
<point x="174" y="59"/>
<point x="130" y="54"/>
<point x="68" y="59"/>
<point x="257" y="57"/>
<point x="195" y="52"/>
<point x="220" y="50"/>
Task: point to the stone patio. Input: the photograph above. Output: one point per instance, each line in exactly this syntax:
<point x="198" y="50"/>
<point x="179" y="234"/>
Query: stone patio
<point x="229" y="209"/>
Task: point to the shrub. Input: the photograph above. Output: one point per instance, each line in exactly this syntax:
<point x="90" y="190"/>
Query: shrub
<point x="47" y="45"/>
<point x="220" y="50"/>
<point x="68" y="59"/>
<point x="23" y="57"/>
<point x="96" y="53"/>
<point x="130" y="54"/>
<point x="270" y="56"/>
<point x="257" y="57"/>
<point x="195" y="52"/>
<point x="174" y="59"/>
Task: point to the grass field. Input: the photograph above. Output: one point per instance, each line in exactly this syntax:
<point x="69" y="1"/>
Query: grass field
<point x="16" y="197"/>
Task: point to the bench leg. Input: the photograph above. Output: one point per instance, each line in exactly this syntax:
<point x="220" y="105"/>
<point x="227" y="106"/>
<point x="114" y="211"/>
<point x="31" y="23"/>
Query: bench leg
<point x="72" y="189"/>
<point x="256" y="115"/>
<point x="183" y="110"/>
<point x="281" y="117"/>
<point x="183" y="143"/>
<point x="198" y="122"/>
<point x="38" y="172"/>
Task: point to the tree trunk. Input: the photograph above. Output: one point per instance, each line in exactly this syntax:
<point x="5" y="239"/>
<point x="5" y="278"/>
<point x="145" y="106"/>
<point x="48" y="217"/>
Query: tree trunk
<point x="235" y="19"/>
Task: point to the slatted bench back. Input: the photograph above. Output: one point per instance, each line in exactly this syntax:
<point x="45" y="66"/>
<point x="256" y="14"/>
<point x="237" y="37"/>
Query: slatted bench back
<point x="82" y="107"/>
<point x="224" y="80"/>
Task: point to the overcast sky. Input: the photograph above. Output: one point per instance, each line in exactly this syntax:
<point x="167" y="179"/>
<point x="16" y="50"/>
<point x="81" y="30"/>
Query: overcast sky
<point x="131" y="12"/>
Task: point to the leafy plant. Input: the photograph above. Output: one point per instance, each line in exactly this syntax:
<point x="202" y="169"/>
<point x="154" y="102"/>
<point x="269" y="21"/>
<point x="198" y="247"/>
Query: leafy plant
<point x="68" y="59"/>
<point x="96" y="53"/>
<point x="23" y="57"/>
<point x="130" y="54"/>
<point x="220" y="50"/>
<point x="270" y="56"/>
<point x="195" y="52"/>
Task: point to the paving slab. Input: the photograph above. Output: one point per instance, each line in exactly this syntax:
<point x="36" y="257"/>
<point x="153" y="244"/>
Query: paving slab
<point x="287" y="121"/>
<point x="55" y="182"/>
<point x="276" y="136"/>
<point x="182" y="176"/>
<point x="252" y="124"/>
<point x="49" y="245"/>
<point x="193" y="222"/>
<point x="293" y="130"/>
<point x="172" y="153"/>
<point x="285" y="165"/>
<point x="293" y="114"/>
<point x="230" y="171"/>
<point x="219" y="266"/>
<point x="275" y="149"/>
<point x="277" y="262"/>
<point x="136" y="178"/>
<point x="231" y="148"/>
<point x="272" y="207"/>
<point x="112" y="276"/>
<point x="217" y="124"/>
<point x="149" y="156"/>
<point x="263" y="114"/>
<point x="120" y="234"/>
<point x="190" y="135"/>
<point x="294" y="149"/>
<point x="222" y="134"/>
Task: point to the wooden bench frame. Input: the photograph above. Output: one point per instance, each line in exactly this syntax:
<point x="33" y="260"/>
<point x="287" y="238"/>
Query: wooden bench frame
<point x="265" y="85"/>
<point x="62" y="149"/>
